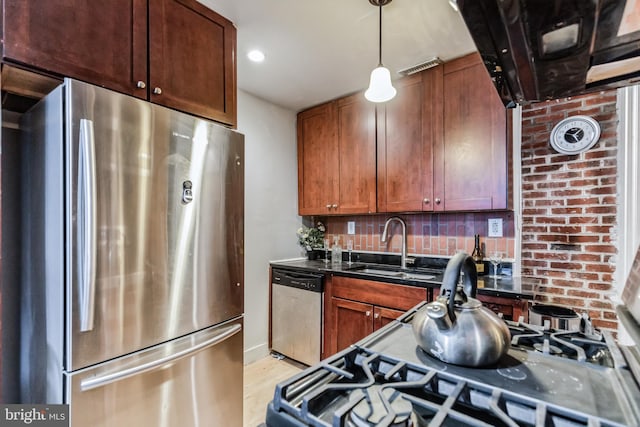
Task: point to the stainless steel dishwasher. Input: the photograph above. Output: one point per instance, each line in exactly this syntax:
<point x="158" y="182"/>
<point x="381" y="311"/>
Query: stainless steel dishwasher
<point x="296" y="314"/>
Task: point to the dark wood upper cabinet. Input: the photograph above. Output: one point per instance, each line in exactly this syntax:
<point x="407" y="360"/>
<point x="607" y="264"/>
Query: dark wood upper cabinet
<point x="192" y="59"/>
<point x="176" y="53"/>
<point x="337" y="158"/>
<point x="357" y="155"/>
<point x="408" y="127"/>
<point x="471" y="164"/>
<point x="103" y="42"/>
<point x="442" y="142"/>
<point x="317" y="160"/>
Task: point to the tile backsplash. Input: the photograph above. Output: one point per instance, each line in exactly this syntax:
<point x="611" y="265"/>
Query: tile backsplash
<point x="427" y="234"/>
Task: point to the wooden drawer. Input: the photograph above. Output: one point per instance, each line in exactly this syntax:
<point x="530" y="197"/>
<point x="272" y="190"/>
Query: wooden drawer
<point x="399" y="297"/>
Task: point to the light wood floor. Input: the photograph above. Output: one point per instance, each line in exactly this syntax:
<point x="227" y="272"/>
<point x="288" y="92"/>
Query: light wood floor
<point x="260" y="379"/>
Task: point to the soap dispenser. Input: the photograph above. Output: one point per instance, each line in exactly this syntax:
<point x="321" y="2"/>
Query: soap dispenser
<point x="336" y="251"/>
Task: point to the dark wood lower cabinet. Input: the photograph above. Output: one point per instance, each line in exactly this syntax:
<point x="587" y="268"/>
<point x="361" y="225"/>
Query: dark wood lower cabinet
<point x="510" y="308"/>
<point x="354" y="308"/>
<point x="353" y="321"/>
<point x="382" y="316"/>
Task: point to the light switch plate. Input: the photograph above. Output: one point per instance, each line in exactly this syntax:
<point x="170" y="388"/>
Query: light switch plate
<point x="495" y="227"/>
<point x="351" y="227"/>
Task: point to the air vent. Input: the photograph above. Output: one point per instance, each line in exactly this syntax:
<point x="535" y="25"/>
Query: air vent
<point x="430" y="63"/>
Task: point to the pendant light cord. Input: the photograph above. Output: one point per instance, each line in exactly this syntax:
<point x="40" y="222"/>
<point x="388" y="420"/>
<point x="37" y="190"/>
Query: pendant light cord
<point x="380" y="36"/>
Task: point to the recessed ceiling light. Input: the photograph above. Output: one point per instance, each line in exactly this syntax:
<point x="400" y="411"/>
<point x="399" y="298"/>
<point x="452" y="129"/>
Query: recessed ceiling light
<point x="256" y="55"/>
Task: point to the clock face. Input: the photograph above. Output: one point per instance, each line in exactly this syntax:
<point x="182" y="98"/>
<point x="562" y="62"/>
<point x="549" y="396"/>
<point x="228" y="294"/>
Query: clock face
<point x="575" y="134"/>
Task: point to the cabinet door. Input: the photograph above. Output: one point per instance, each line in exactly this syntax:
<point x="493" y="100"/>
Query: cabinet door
<point x="192" y="59"/>
<point x="99" y="42"/>
<point x="357" y="155"/>
<point x="382" y="316"/>
<point x="352" y="322"/>
<point x="472" y="161"/>
<point x="318" y="159"/>
<point x="408" y="126"/>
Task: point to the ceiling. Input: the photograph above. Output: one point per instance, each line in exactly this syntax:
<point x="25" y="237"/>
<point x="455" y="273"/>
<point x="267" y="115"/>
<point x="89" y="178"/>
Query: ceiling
<point x="320" y="50"/>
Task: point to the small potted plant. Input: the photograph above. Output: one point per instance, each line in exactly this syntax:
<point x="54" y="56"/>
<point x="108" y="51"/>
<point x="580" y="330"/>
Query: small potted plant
<point x="311" y="238"/>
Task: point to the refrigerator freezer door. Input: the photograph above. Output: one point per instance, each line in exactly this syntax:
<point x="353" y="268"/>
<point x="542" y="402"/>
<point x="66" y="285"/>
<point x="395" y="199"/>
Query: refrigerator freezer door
<point x="155" y="227"/>
<point x="165" y="385"/>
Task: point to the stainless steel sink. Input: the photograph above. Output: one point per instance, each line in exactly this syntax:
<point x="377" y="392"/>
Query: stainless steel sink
<point x="417" y="276"/>
<point x="398" y="274"/>
<point x="378" y="271"/>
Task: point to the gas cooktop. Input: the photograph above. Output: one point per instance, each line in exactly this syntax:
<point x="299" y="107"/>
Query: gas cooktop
<point x="387" y="380"/>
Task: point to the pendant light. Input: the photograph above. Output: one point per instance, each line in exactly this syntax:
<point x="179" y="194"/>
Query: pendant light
<point x="380" y="87"/>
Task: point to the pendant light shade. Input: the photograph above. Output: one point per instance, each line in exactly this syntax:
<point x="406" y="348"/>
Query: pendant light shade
<point x="380" y="87"/>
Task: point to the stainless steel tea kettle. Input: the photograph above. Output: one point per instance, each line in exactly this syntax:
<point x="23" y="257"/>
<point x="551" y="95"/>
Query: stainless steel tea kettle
<point x="456" y="328"/>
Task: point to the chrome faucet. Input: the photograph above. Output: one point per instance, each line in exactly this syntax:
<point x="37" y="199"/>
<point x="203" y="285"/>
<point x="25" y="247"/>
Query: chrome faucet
<point x="403" y="256"/>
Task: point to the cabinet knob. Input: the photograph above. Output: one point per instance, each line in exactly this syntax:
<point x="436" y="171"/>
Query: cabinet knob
<point x="367" y="313"/>
<point x="437" y="201"/>
<point x="426" y="201"/>
<point x="376" y="315"/>
<point x="328" y="206"/>
<point x="157" y="91"/>
<point x="334" y="206"/>
<point x="140" y="84"/>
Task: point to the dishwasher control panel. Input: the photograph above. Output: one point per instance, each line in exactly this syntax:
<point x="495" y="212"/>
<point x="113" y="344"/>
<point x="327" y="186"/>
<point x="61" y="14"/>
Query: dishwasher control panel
<point x="300" y="280"/>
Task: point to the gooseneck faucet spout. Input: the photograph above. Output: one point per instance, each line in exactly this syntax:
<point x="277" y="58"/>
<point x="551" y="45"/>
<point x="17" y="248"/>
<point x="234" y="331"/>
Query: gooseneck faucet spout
<point x="403" y="256"/>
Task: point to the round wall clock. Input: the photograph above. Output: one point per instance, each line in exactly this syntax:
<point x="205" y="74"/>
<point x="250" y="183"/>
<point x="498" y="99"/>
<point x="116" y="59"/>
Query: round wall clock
<point x="575" y="134"/>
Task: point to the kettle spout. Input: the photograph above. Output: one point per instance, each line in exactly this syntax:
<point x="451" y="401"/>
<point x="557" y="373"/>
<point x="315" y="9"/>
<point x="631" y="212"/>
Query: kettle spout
<point x="438" y="311"/>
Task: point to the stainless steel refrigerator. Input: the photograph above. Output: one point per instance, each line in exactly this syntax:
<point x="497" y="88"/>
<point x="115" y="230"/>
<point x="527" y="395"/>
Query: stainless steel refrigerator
<point x="132" y="293"/>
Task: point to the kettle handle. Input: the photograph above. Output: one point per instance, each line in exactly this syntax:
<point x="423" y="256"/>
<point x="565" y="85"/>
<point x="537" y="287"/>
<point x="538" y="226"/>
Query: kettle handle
<point x="460" y="262"/>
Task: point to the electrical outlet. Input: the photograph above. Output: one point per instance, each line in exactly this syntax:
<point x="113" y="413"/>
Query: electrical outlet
<point x="351" y="227"/>
<point x="495" y="227"/>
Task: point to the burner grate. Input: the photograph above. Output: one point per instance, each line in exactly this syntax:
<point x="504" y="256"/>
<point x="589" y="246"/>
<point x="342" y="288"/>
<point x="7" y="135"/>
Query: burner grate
<point x="567" y="344"/>
<point x="361" y="388"/>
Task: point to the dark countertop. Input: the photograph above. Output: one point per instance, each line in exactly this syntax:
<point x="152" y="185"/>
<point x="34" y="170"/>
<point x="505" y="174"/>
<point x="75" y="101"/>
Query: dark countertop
<point x="505" y="286"/>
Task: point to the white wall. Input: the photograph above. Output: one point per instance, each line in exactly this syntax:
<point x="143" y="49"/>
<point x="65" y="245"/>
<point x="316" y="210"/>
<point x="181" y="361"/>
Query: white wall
<point x="271" y="206"/>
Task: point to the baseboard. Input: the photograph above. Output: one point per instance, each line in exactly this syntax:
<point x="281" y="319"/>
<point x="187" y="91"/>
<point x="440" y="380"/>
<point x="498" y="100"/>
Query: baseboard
<point x="256" y="353"/>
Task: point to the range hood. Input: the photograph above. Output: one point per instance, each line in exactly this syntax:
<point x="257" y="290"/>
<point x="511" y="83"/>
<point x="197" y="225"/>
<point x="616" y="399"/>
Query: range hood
<point x="544" y="49"/>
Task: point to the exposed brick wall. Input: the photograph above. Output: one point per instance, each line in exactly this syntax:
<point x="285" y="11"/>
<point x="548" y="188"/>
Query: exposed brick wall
<point x="569" y="208"/>
<point x="427" y="234"/>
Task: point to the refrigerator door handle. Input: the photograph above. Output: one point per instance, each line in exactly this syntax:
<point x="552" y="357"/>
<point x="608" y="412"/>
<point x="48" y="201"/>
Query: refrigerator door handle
<point x="87" y="224"/>
<point x="100" y="381"/>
